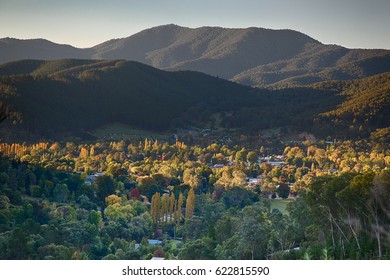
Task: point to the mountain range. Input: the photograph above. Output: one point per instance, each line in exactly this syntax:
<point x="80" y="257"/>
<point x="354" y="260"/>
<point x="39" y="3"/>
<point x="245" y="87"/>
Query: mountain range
<point x="251" y="56"/>
<point x="72" y="97"/>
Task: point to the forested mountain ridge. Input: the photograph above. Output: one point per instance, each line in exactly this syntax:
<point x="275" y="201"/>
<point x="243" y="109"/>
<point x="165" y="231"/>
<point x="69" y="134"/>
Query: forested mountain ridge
<point x="74" y="97"/>
<point x="66" y="96"/>
<point x="367" y="105"/>
<point x="319" y="63"/>
<point x="252" y="56"/>
<point x="212" y="50"/>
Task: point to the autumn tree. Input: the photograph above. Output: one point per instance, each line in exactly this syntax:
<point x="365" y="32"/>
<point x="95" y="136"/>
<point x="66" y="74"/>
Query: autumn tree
<point x="179" y="206"/>
<point x="164" y="207"/>
<point x="231" y="178"/>
<point x="192" y="178"/>
<point x="172" y="206"/>
<point x="252" y="157"/>
<point x="155" y="208"/>
<point x="241" y="156"/>
<point x="84" y="153"/>
<point x="190" y="204"/>
<point x="134" y="194"/>
<point x="113" y="199"/>
<point x="92" y="151"/>
<point x="239" y="178"/>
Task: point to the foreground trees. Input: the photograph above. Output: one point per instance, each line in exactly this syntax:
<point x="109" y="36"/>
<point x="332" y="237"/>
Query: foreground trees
<point x="55" y="204"/>
<point x="350" y="210"/>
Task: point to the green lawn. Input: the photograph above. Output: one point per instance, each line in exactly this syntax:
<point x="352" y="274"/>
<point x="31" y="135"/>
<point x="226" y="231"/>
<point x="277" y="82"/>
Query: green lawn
<point x="117" y="131"/>
<point x="280" y="204"/>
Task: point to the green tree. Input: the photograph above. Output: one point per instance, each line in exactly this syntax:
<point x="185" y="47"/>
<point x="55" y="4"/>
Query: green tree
<point x="105" y="187"/>
<point x="61" y="193"/>
<point x="225" y="228"/>
<point x="254" y="231"/>
<point x="239" y="198"/>
<point x="117" y="212"/>
<point x="4" y="202"/>
<point x="200" y="249"/>
<point x="283" y="190"/>
<point x="54" y="252"/>
<point x="95" y="218"/>
<point x="18" y="245"/>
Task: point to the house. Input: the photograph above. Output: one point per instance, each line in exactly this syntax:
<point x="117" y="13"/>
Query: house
<point x="276" y="163"/>
<point x="154" y="242"/>
<point x="219" y="165"/>
<point x="92" y="178"/>
<point x="145" y="200"/>
<point x="254" y="181"/>
<point x="150" y="242"/>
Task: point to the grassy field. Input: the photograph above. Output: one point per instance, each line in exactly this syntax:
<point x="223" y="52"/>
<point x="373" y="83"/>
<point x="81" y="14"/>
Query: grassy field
<point x="280" y="204"/>
<point x="117" y="131"/>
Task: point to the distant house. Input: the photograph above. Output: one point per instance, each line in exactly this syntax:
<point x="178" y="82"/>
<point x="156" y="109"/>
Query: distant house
<point x="273" y="161"/>
<point x="254" y="181"/>
<point x="145" y="200"/>
<point x="276" y="163"/>
<point x="92" y="178"/>
<point x="150" y="242"/>
<point x="219" y="165"/>
<point x="154" y="242"/>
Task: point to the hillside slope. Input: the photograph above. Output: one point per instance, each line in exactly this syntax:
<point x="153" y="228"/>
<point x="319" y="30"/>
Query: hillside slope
<point x="366" y="108"/>
<point x="73" y="97"/>
<point x="70" y="96"/>
<point x="316" y="64"/>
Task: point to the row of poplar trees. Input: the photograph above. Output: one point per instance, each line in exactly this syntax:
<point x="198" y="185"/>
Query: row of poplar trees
<point x="166" y="209"/>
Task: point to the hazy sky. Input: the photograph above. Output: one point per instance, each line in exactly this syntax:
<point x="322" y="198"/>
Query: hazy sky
<point x="350" y="23"/>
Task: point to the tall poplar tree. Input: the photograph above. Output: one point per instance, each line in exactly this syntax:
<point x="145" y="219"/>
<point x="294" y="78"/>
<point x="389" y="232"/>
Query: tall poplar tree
<point x="155" y="208"/>
<point x="179" y="206"/>
<point x="164" y="207"/>
<point x="190" y="204"/>
<point x="172" y="204"/>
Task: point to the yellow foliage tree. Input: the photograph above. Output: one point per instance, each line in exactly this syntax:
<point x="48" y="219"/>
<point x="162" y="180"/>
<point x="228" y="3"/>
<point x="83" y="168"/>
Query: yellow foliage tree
<point x="190" y="204"/>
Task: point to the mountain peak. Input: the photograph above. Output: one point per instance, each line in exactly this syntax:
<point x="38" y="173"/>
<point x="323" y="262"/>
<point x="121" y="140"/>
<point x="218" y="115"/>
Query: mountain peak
<point x="254" y="56"/>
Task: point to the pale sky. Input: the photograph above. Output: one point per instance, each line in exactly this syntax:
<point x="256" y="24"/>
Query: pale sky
<point x="350" y="23"/>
